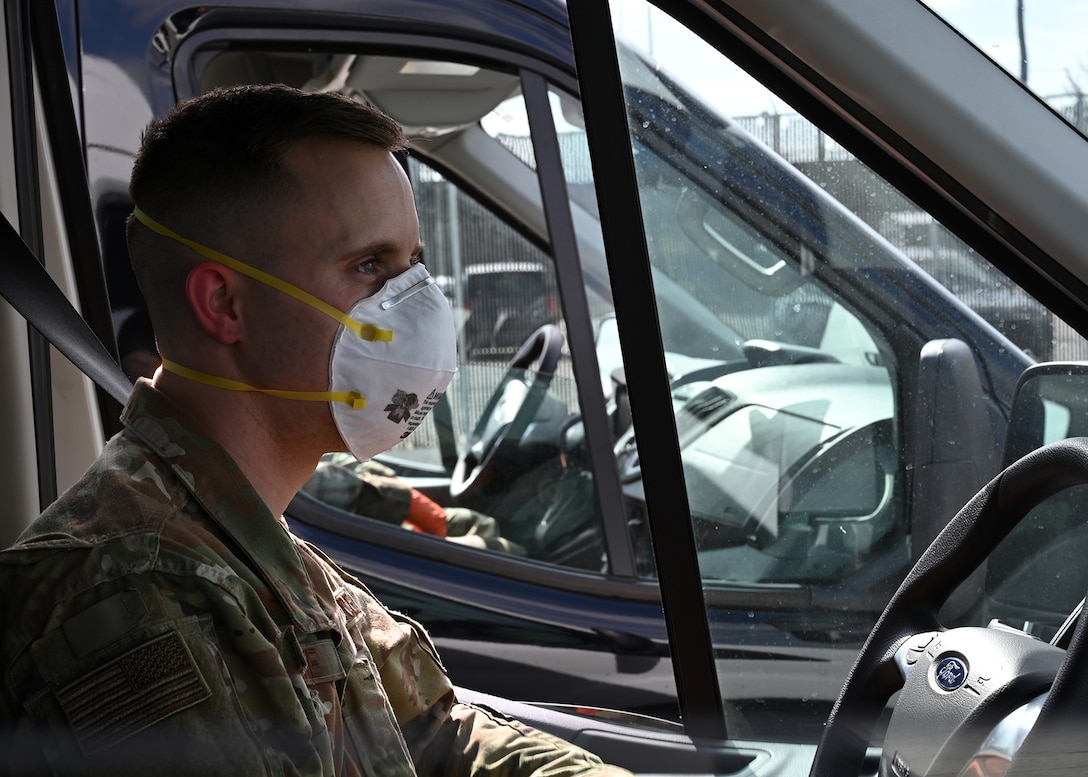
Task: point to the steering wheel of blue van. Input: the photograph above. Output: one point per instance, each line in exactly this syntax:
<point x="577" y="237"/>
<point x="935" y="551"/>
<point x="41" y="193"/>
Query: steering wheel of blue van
<point x="945" y="675"/>
<point x="507" y="416"/>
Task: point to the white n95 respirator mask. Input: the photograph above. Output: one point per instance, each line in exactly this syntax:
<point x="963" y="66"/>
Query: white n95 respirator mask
<point x="403" y="379"/>
<point x="391" y="360"/>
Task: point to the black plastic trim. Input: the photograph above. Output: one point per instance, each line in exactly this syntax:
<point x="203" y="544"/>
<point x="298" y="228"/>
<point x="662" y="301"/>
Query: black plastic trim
<point x="643" y="744"/>
<point x="553" y="189"/>
<point x="305" y="509"/>
<point x="24" y="131"/>
<point x="66" y="149"/>
<point x="648" y="384"/>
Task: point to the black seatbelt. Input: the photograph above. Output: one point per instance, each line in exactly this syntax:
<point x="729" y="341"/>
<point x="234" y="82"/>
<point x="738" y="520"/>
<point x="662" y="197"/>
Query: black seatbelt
<point x="26" y="285"/>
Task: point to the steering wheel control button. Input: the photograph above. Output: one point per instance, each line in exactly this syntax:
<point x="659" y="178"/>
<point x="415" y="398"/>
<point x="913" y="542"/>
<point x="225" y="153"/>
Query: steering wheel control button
<point x="950" y="673"/>
<point x="979" y="684"/>
<point x="912" y="651"/>
<point x="916" y="647"/>
<point x="921" y="641"/>
<point x="899" y="767"/>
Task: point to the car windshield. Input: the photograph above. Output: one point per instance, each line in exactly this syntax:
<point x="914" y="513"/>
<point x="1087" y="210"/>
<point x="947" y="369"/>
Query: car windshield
<point x="1031" y="41"/>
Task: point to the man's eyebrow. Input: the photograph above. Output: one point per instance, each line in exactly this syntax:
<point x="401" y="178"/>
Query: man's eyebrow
<point x="380" y="248"/>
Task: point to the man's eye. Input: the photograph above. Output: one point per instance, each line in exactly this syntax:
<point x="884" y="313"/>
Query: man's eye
<point x="366" y="267"/>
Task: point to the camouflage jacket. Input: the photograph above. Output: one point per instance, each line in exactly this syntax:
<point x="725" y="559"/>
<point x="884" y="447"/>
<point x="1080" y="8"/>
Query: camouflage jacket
<point x="363" y="487"/>
<point x="158" y="619"/>
<point x="373" y="490"/>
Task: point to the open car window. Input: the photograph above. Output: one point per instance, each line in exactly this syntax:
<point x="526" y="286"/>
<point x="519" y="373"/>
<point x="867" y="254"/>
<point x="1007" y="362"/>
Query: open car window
<point x="804" y="306"/>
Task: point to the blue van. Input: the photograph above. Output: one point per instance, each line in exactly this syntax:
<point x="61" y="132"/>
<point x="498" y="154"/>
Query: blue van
<point x="745" y="405"/>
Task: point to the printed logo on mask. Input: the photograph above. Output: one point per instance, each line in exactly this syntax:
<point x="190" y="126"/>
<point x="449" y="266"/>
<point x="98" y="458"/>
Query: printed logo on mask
<point x="419" y="414"/>
<point x="400" y="409"/>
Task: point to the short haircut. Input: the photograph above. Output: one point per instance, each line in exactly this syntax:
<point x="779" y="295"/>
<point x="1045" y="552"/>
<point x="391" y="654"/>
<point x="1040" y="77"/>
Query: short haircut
<point x="213" y="170"/>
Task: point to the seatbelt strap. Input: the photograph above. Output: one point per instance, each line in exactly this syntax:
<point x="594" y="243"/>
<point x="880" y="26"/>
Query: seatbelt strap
<point x="27" y="286"/>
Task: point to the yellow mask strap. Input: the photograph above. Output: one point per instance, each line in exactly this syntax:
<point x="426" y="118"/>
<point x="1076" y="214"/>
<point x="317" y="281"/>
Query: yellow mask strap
<point x="353" y="399"/>
<point x="365" y="331"/>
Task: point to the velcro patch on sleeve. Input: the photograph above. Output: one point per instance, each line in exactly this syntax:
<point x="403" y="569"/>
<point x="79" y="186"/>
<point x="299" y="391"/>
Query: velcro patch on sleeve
<point x="133" y="691"/>
<point x="348" y="606"/>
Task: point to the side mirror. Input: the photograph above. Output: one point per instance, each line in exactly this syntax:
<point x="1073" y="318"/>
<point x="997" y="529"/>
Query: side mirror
<point x="613" y="378"/>
<point x="1050" y="403"/>
<point x="609" y="357"/>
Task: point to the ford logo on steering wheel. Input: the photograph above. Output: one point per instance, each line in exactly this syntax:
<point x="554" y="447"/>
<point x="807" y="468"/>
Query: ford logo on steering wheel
<point x="951" y="673"/>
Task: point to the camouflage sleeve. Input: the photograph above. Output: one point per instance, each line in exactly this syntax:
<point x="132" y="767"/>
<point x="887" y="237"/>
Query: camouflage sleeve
<point x="366" y="488"/>
<point x="126" y="685"/>
<point x="445" y="737"/>
<point x="477" y="741"/>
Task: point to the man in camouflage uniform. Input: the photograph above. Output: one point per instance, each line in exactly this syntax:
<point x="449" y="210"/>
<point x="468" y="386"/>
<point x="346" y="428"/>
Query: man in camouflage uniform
<point x="160" y="617"/>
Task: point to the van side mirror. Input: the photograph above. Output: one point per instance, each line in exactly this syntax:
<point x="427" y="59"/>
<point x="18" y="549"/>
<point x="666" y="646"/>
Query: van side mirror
<point x="1050" y="403"/>
<point x="609" y="357"/>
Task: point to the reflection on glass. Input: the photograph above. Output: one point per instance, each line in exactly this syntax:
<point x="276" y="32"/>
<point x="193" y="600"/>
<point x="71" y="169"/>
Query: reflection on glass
<point x="733" y="470"/>
<point x="508" y="123"/>
<point x="1036" y="576"/>
<point x="675" y="54"/>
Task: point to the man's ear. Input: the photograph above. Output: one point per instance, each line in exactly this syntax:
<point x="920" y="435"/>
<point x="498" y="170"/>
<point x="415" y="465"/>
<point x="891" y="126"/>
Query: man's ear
<point x="212" y="290"/>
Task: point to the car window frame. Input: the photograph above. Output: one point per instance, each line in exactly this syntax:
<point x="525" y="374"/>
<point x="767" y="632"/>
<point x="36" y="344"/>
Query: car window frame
<point x="22" y="46"/>
<point x="56" y="419"/>
<point x="70" y="415"/>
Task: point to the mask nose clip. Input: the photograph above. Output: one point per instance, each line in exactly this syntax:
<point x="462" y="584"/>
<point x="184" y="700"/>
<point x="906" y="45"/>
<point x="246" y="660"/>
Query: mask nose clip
<point x="399" y="297"/>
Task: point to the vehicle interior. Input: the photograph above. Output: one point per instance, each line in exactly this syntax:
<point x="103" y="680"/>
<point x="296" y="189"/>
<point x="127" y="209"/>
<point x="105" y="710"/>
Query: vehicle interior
<point x="844" y="431"/>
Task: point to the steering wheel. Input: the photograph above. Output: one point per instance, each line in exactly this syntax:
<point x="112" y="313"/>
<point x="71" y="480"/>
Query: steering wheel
<point x="958" y="684"/>
<point x="507" y="415"/>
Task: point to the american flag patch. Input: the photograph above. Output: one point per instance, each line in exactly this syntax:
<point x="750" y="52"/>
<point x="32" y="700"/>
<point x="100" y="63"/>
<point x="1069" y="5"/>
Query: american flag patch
<point x="132" y="692"/>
